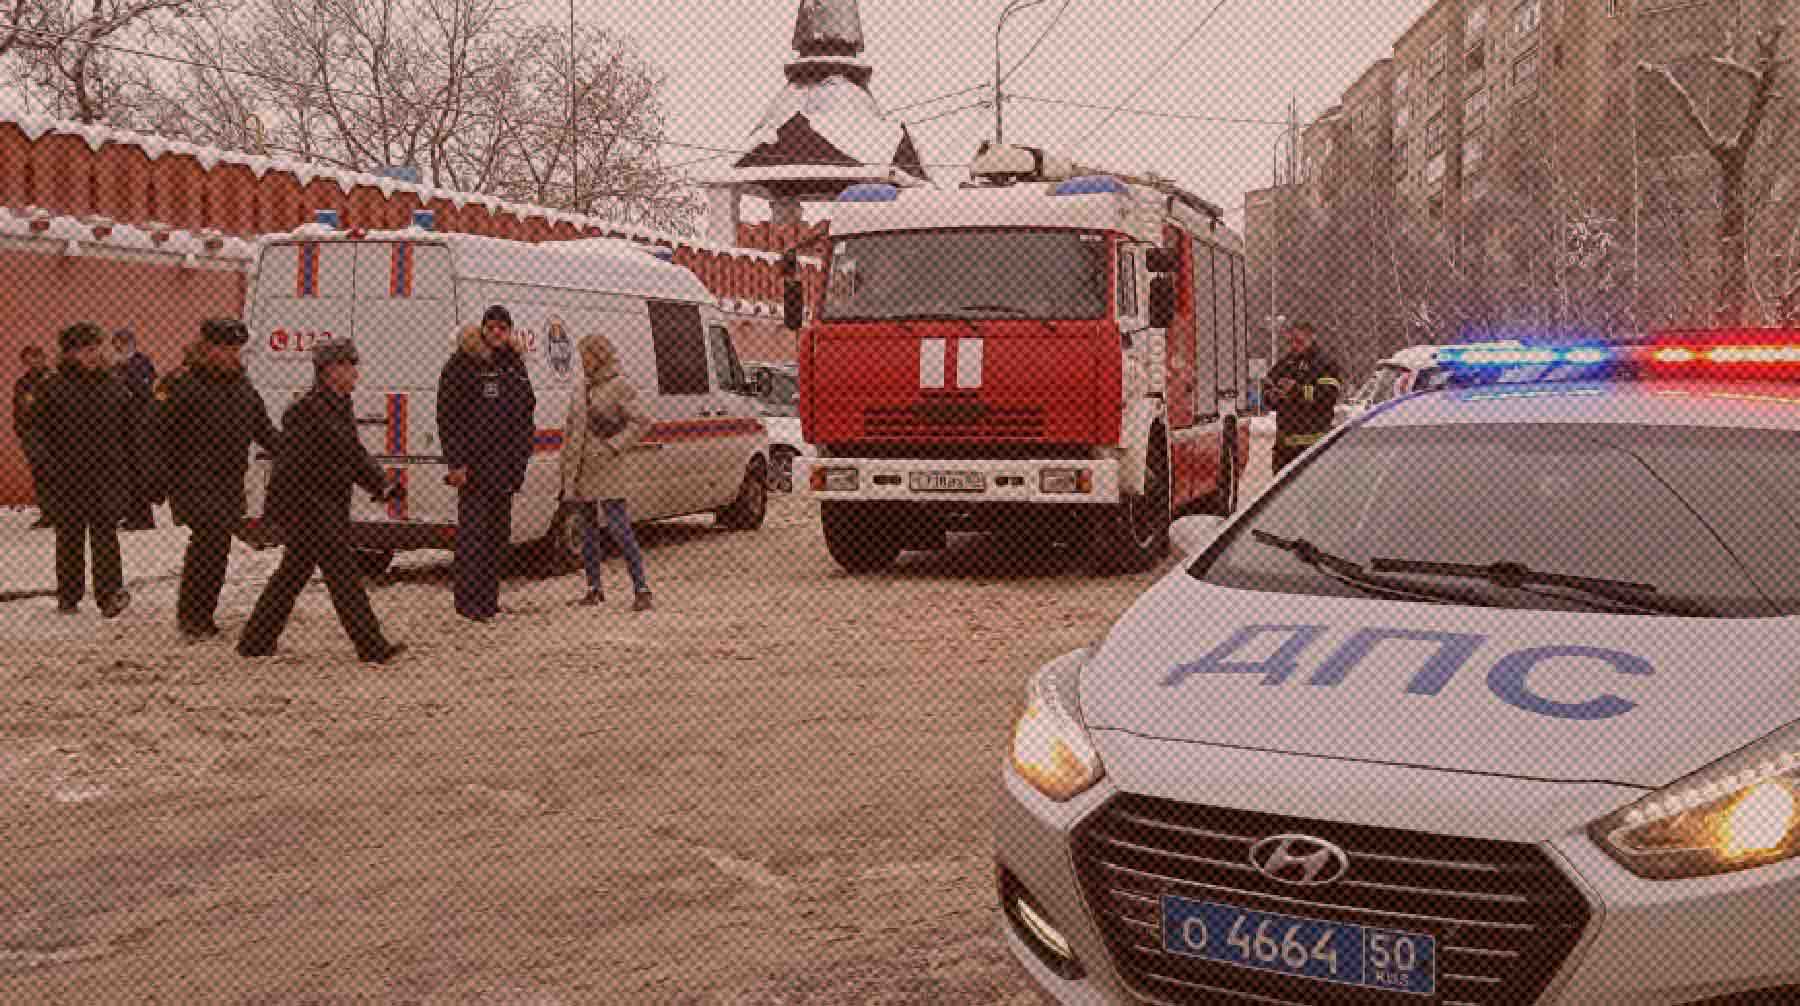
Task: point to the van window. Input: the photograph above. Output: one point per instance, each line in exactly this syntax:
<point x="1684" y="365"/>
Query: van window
<point x="726" y="368"/>
<point x="680" y="349"/>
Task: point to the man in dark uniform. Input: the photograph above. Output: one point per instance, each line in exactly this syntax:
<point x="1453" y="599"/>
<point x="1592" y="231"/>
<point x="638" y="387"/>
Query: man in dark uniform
<point x="1303" y="387"/>
<point x="318" y="460"/>
<point x="91" y="443"/>
<point x="487" y="420"/>
<point x="139" y="376"/>
<point x="209" y="416"/>
<point x="26" y="391"/>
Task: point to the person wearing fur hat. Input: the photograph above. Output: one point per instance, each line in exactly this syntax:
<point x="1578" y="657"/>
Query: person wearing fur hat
<point x="486" y="414"/>
<point x="605" y="421"/>
<point x="89" y="437"/>
<point x="209" y="415"/>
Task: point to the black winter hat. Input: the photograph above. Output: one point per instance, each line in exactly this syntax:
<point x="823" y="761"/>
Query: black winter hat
<point x="224" y="332"/>
<point x="497" y="313"/>
<point x="79" y="335"/>
<point x="333" y="351"/>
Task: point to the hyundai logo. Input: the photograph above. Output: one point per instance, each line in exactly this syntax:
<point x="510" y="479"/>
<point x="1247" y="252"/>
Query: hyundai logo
<point x="1300" y="860"/>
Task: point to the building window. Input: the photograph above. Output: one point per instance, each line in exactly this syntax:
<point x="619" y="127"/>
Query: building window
<point x="1526" y="17"/>
<point x="1524" y="75"/>
<point x="1472" y="153"/>
<point x="1434" y="58"/>
<point x="1475" y="110"/>
<point x="1434" y="207"/>
<point x="1402" y="118"/>
<point x="1402" y="81"/>
<point x="1434" y="136"/>
<point x="1434" y="171"/>
<point x="1477" y="20"/>
<point x="1434" y="96"/>
<point x="1477" y="60"/>
<point x="1614" y="8"/>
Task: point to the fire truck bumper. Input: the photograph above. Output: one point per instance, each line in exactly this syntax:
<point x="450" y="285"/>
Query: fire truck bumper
<point x="1038" y="481"/>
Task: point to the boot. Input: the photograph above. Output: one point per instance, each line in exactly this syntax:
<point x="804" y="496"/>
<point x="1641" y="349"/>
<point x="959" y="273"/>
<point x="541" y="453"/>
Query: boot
<point x="593" y="599"/>
<point x="115" y="604"/>
<point x="642" y="601"/>
<point x="387" y="654"/>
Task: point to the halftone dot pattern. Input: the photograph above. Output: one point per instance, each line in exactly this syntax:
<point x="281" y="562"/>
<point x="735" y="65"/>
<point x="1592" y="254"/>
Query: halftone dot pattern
<point x="780" y="774"/>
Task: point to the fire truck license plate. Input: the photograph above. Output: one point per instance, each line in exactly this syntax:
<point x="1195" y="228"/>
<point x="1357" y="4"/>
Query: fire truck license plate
<point x="948" y="482"/>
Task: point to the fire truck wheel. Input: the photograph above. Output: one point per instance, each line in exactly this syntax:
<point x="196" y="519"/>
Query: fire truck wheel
<point x="746" y="513"/>
<point x="1224" y="500"/>
<point x="1132" y="536"/>
<point x="862" y="539"/>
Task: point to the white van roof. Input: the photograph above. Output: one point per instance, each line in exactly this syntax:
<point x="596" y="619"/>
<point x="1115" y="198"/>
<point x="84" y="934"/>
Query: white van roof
<point x="610" y="265"/>
<point x="1416" y="357"/>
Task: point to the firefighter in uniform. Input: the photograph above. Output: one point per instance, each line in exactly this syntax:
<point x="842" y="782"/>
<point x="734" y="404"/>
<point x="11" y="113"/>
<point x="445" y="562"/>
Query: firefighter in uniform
<point x="318" y="460"/>
<point x="209" y="414"/>
<point x="1303" y="387"/>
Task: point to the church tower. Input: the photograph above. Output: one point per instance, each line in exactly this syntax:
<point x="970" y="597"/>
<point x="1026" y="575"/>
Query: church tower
<point x="822" y="134"/>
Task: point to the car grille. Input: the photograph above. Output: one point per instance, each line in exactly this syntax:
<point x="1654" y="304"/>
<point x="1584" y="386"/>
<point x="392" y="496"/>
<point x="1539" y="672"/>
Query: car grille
<point x="953" y="416"/>
<point x="1503" y="915"/>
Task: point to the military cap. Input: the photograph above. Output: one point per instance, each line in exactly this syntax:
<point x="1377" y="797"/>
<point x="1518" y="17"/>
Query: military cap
<point x="224" y="332"/>
<point x="334" y="351"/>
<point x="78" y="335"/>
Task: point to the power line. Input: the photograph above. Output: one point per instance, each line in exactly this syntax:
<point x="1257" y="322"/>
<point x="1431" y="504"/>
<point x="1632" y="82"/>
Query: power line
<point x="1147" y="113"/>
<point x="946" y="114"/>
<point x="1064" y="9"/>
<point x="941" y="97"/>
<point x="1154" y="73"/>
<point x="713" y="151"/>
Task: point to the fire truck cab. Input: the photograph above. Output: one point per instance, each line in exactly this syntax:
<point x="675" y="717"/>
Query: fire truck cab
<point x="1051" y="350"/>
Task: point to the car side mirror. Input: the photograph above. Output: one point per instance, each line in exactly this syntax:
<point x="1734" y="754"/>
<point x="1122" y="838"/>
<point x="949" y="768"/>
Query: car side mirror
<point x="1162" y="302"/>
<point x="793" y="305"/>
<point x="1162" y="261"/>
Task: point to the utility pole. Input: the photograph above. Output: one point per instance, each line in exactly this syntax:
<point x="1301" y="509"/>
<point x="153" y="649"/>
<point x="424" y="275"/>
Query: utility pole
<point x="574" y="137"/>
<point x="999" y="81"/>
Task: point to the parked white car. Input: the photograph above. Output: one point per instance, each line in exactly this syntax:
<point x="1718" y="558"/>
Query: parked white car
<point x="403" y="295"/>
<point x="1489" y="699"/>
<point x="1411" y="369"/>
<point x="776" y="389"/>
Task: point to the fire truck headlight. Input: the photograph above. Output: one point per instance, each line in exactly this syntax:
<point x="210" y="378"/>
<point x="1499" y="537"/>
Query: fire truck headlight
<point x="1050" y="746"/>
<point x="1741" y="813"/>
<point x="1065" y="481"/>
<point x="835" y="480"/>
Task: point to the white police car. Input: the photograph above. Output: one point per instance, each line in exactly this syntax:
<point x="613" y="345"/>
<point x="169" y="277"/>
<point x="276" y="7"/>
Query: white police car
<point x="1494" y="698"/>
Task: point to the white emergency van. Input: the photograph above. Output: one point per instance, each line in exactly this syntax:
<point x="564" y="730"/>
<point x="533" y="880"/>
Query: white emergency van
<point x="405" y="295"/>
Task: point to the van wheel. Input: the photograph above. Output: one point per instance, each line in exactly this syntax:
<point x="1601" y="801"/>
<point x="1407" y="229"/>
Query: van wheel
<point x="746" y="513"/>
<point x="781" y="475"/>
<point x="373" y="563"/>
<point x="860" y="538"/>
<point x="1224" y="499"/>
<point x="1132" y="536"/>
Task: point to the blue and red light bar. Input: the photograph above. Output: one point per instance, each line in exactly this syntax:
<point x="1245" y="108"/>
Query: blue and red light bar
<point x="1764" y="354"/>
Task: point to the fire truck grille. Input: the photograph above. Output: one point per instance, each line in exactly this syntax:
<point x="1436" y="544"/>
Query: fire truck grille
<point x="1503" y="915"/>
<point x="953" y="418"/>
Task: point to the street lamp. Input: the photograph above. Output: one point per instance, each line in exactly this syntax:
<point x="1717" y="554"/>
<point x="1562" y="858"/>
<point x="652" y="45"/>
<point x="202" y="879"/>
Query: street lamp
<point x="999" y="100"/>
<point x="1275" y="320"/>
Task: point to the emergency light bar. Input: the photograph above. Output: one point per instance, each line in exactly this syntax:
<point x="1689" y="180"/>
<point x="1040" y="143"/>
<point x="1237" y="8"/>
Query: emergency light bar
<point x="870" y="192"/>
<point x="1764" y="354"/>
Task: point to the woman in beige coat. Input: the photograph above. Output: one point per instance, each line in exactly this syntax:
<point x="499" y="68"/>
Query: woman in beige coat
<point x="606" y="421"/>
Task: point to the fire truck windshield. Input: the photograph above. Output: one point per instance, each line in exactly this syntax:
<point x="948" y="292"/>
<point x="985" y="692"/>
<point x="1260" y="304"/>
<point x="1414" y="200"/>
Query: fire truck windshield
<point x="995" y="273"/>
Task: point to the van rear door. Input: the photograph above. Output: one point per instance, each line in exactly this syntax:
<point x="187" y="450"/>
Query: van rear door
<point x="304" y="292"/>
<point x="405" y="326"/>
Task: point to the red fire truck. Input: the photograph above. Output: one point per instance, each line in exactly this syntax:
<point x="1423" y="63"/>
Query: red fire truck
<point x="1049" y="351"/>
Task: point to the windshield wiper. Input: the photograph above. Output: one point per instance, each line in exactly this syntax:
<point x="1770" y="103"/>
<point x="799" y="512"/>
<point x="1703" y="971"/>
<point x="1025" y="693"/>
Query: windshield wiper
<point x="1517" y="576"/>
<point x="1002" y="308"/>
<point x="1347" y="570"/>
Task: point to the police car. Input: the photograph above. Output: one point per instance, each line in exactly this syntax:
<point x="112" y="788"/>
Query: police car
<point x="1493" y="698"/>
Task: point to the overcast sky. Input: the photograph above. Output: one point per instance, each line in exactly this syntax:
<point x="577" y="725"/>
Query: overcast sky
<point x="724" y="64"/>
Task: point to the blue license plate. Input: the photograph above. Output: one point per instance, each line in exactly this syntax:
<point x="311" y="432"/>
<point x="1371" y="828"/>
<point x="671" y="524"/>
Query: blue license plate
<point x="1307" y="948"/>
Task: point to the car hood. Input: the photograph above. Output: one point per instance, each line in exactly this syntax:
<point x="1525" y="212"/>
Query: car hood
<point x="1555" y="696"/>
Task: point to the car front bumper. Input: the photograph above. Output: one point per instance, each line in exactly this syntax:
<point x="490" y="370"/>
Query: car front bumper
<point x="1644" y="943"/>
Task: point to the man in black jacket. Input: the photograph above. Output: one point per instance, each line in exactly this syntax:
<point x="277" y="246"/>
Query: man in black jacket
<point x="318" y="460"/>
<point x="486" y="414"/>
<point x="1304" y="387"/>
<point x="209" y="416"/>
<point x="91" y="442"/>
<point x="26" y="391"/>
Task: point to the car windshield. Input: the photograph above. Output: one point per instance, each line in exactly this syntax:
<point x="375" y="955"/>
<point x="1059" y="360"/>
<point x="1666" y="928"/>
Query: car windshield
<point x="1691" y="511"/>
<point x="967" y="274"/>
<point x="1380" y="385"/>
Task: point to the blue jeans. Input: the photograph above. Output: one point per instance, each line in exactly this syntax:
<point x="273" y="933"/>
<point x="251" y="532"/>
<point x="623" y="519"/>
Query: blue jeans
<point x="619" y="524"/>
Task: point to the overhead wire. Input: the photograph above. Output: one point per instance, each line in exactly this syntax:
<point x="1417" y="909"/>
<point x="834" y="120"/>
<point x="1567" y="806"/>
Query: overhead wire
<point x="1151" y="77"/>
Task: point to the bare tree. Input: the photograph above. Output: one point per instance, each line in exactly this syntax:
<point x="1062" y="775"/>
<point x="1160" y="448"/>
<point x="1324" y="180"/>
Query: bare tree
<point x="1731" y="151"/>
<point x="62" y="53"/>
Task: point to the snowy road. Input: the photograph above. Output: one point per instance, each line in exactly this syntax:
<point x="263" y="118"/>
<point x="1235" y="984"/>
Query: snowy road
<point x="774" y="789"/>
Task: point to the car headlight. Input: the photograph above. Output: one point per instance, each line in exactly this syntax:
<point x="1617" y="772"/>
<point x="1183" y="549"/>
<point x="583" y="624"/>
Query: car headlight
<point x="1740" y="813"/>
<point x="1050" y="746"/>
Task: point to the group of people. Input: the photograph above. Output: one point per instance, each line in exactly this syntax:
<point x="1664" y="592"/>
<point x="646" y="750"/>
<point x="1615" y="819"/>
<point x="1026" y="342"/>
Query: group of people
<point x="98" y="454"/>
<point x="138" y="374"/>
